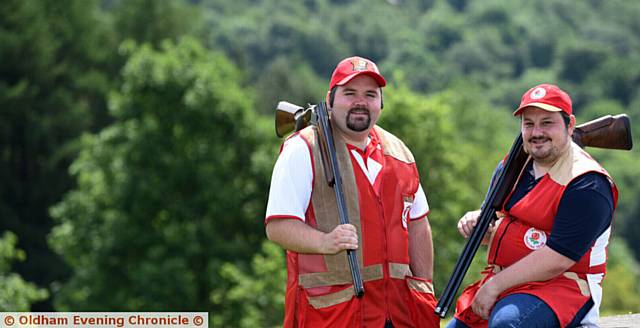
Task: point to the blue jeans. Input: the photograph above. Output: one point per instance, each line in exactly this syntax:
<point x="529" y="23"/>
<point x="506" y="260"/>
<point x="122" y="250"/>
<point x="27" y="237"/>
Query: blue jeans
<point x="524" y="310"/>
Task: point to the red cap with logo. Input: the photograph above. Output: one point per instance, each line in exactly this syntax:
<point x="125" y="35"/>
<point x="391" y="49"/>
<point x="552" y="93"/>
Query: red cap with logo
<point x="545" y="96"/>
<point x="351" y="67"/>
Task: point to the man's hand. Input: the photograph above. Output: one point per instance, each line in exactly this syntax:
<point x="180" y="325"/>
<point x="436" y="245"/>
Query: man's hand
<point x="468" y="222"/>
<point x="341" y="238"/>
<point x="485" y="299"/>
<point x="297" y="236"/>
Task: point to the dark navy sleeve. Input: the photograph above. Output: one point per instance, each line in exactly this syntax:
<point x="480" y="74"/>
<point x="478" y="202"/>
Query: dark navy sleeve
<point x="496" y="173"/>
<point x="584" y="213"/>
<point x="494" y="178"/>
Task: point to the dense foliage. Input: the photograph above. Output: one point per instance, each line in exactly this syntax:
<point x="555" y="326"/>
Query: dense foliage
<point x="137" y="141"/>
<point x="15" y="293"/>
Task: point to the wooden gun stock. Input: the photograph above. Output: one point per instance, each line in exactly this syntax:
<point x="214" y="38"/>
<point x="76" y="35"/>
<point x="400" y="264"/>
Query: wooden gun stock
<point x="610" y="132"/>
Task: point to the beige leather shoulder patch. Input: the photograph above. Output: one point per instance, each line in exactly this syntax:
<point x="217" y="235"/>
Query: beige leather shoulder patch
<point x="572" y="164"/>
<point x="308" y="134"/>
<point x="394" y="147"/>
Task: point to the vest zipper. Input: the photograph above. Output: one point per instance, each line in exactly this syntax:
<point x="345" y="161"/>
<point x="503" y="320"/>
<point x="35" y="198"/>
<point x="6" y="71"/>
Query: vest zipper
<point x="385" y="263"/>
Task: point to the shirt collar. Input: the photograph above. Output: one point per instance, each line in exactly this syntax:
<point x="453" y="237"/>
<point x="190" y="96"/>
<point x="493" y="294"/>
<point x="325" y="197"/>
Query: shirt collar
<point x="373" y="144"/>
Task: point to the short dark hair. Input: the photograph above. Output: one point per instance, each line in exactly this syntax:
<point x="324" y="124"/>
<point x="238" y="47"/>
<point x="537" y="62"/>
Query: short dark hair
<point x="332" y="95"/>
<point x="566" y="119"/>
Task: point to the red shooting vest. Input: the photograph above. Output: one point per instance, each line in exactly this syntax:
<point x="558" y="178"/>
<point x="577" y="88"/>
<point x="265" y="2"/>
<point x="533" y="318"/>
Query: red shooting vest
<point x="526" y="227"/>
<point x="319" y="287"/>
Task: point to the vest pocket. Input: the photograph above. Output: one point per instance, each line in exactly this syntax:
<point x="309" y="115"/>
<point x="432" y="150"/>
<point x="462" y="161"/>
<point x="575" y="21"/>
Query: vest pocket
<point x="338" y="308"/>
<point x="422" y="302"/>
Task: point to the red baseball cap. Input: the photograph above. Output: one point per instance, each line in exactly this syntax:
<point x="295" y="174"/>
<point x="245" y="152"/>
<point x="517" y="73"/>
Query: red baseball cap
<point x="545" y="96"/>
<point x="351" y="67"/>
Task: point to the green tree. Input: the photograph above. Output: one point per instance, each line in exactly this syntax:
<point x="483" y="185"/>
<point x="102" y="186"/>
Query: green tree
<point x="51" y="87"/>
<point x="169" y="192"/>
<point x="15" y="293"/>
<point x="297" y="84"/>
<point x="154" y="21"/>
<point x="256" y="296"/>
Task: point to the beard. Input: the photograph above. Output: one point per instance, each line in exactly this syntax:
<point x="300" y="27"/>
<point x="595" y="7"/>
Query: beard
<point x="546" y="155"/>
<point x="358" y="123"/>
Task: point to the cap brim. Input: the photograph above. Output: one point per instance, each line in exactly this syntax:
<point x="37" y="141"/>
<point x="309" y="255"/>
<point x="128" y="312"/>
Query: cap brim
<point x="379" y="79"/>
<point x="543" y="106"/>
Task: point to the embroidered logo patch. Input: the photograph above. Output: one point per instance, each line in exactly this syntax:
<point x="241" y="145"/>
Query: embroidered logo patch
<point x="408" y="201"/>
<point x="538" y="93"/>
<point x="359" y="64"/>
<point x="535" y="239"/>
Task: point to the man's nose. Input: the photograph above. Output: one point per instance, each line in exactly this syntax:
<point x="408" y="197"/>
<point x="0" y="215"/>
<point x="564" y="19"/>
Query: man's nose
<point x="537" y="130"/>
<point x="360" y="101"/>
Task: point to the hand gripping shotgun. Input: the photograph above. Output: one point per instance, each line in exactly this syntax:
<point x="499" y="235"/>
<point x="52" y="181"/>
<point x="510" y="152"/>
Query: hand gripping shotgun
<point x="290" y="117"/>
<point x="610" y="132"/>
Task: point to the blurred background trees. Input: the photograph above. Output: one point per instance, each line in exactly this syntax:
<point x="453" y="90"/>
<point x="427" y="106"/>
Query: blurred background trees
<point x="16" y="294"/>
<point x="136" y="137"/>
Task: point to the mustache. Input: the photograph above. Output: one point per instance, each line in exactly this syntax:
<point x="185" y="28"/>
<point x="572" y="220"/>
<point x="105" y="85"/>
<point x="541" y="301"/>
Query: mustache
<point x="533" y="139"/>
<point x="359" y="109"/>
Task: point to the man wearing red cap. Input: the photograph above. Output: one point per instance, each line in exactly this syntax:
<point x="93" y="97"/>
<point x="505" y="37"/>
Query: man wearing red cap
<point x="547" y="252"/>
<point x="387" y="210"/>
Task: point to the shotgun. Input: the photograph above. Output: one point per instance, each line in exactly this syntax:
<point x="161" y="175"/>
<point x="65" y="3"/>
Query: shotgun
<point x="291" y="117"/>
<point x="610" y="132"/>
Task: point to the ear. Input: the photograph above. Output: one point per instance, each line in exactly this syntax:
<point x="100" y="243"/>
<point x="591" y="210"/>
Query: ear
<point x="331" y="96"/>
<point x="572" y="124"/>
